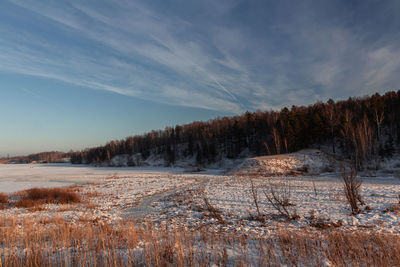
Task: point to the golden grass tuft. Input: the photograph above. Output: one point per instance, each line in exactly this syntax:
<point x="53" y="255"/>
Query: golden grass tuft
<point x="38" y="196"/>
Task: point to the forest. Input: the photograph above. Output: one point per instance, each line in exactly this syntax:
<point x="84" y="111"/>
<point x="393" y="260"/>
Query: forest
<point x="42" y="157"/>
<point x="362" y="129"/>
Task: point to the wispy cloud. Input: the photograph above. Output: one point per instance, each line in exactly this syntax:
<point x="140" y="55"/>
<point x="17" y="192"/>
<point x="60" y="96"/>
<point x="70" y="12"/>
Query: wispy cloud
<point x="35" y="94"/>
<point x="212" y="55"/>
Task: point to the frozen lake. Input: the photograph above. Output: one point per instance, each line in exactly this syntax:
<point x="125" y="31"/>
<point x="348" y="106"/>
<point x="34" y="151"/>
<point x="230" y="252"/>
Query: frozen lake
<point x="16" y="177"/>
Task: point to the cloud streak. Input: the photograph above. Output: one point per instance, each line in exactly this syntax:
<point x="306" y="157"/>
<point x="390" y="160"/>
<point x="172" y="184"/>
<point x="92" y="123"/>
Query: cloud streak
<point x="226" y="56"/>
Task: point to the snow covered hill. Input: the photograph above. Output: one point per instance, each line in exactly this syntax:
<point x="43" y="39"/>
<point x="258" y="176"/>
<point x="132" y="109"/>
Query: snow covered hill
<point x="306" y="161"/>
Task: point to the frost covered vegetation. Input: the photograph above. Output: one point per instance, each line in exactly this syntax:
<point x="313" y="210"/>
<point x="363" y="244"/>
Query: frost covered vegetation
<point x="55" y="242"/>
<point x="361" y="129"/>
<point x="161" y="217"/>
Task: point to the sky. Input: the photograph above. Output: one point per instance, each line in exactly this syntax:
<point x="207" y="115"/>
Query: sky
<point x="77" y="74"/>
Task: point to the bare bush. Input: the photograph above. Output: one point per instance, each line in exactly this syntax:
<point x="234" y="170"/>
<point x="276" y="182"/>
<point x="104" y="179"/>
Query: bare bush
<point x="279" y="197"/>
<point x="351" y="186"/>
<point x="315" y="188"/>
<point x="254" y="194"/>
<point x="212" y="211"/>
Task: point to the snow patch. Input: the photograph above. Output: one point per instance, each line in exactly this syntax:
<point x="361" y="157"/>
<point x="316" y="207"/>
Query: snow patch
<point x="307" y="161"/>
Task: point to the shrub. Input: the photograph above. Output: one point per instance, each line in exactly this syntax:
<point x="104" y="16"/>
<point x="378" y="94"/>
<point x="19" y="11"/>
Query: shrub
<point x="254" y="194"/>
<point x="39" y="196"/>
<point x="352" y="185"/>
<point x="213" y="211"/>
<point x="279" y="197"/>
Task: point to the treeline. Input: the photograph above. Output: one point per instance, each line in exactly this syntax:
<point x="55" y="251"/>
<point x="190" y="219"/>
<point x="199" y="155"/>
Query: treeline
<point x="364" y="129"/>
<point x="43" y="157"/>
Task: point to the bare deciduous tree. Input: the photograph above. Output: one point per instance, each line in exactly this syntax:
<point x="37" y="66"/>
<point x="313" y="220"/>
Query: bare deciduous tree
<point x="277" y="140"/>
<point x="363" y="140"/>
<point x="332" y="120"/>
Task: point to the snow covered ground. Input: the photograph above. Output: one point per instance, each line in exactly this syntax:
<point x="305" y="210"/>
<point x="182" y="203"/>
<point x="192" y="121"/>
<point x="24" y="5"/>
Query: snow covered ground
<point x="107" y="192"/>
<point x="313" y="198"/>
<point x="16" y="177"/>
<point x="168" y="195"/>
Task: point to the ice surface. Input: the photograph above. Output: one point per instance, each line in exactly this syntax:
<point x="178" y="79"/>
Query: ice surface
<point x="16" y="177"/>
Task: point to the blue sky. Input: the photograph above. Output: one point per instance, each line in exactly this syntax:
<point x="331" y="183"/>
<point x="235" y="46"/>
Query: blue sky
<point x="75" y="74"/>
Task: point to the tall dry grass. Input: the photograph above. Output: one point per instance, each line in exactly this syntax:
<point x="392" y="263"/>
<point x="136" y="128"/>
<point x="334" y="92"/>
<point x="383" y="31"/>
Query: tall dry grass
<point x="39" y="196"/>
<point x="56" y="242"/>
<point x="3" y="200"/>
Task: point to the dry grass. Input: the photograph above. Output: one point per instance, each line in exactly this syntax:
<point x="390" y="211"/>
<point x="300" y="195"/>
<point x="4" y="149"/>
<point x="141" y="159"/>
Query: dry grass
<point x="322" y="223"/>
<point x="55" y="242"/>
<point x="3" y="198"/>
<point x="339" y="248"/>
<point x="395" y="207"/>
<point x="92" y="194"/>
<point x="3" y="201"/>
<point x="38" y="196"/>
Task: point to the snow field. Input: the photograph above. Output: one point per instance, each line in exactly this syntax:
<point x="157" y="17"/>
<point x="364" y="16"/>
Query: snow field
<point x="106" y="192"/>
<point x="172" y="203"/>
<point x="314" y="198"/>
<point x="169" y="195"/>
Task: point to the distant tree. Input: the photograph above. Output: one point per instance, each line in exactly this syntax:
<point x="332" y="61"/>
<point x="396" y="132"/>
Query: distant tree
<point x="332" y="121"/>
